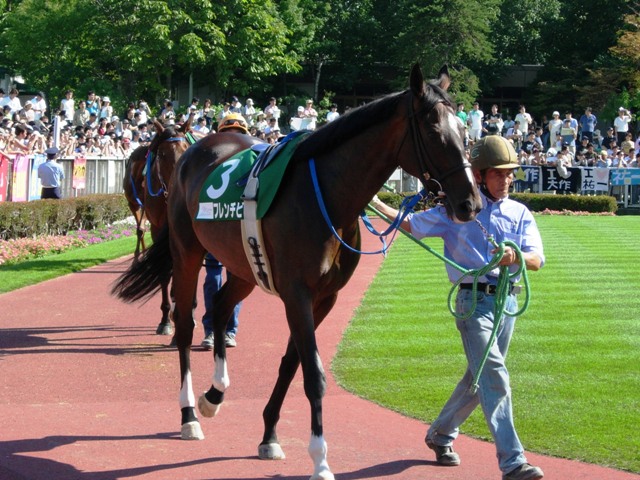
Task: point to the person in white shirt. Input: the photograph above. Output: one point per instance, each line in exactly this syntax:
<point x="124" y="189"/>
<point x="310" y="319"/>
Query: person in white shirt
<point x="249" y="112"/>
<point x="554" y="128"/>
<point x="68" y="105"/>
<point x="525" y="119"/>
<point x="39" y="106"/>
<point x="333" y="113"/>
<point x="12" y="101"/>
<point x="474" y="119"/>
<point x="621" y="124"/>
<point x="201" y="126"/>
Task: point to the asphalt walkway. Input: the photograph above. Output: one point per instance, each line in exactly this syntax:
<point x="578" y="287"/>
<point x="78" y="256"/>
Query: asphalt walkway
<point x="88" y="392"/>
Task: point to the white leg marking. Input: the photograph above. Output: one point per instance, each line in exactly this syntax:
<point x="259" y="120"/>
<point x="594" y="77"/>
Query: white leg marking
<point x="187" y="398"/>
<point x="318" y="453"/>
<point x="220" y="375"/>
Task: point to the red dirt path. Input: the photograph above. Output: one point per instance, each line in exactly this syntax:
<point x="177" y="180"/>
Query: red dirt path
<point x="88" y="392"/>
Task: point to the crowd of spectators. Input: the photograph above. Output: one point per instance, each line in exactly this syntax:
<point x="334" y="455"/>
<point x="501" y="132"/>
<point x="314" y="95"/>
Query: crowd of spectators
<point x="562" y="143"/>
<point x="90" y="126"/>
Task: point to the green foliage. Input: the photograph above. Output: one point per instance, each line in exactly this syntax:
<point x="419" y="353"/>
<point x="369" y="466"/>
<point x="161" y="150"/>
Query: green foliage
<point x="536" y="202"/>
<point x="57" y="217"/>
<point x="579" y="338"/>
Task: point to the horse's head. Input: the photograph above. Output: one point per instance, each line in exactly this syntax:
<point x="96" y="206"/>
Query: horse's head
<point x="166" y="147"/>
<point x="437" y="136"/>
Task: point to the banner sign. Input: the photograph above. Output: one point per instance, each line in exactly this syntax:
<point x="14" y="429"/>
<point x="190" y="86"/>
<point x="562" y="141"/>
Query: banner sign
<point x="595" y="179"/>
<point x="35" y="186"/>
<point x="551" y="179"/>
<point x="624" y="176"/>
<point x="4" y="177"/>
<point x="20" y="178"/>
<point x="80" y="173"/>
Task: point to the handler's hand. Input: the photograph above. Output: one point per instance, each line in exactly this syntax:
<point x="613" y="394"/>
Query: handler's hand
<point x="509" y="257"/>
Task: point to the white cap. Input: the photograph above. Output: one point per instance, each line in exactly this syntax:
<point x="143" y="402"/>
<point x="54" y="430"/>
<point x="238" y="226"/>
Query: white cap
<point x="106" y="99"/>
<point x="552" y="152"/>
<point x="115" y="118"/>
<point x="556" y="113"/>
<point x="621" y="109"/>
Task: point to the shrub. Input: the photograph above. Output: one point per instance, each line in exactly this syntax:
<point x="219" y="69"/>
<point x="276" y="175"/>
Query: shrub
<point x="536" y="202"/>
<point x="57" y="217"/>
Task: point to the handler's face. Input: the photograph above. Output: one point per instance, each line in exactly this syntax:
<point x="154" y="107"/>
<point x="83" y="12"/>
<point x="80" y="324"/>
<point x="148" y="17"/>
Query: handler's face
<point x="498" y="181"/>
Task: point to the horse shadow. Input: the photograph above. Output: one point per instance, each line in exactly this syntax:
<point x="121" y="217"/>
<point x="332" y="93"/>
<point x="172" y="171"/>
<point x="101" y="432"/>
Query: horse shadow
<point x="18" y="341"/>
<point x="16" y="453"/>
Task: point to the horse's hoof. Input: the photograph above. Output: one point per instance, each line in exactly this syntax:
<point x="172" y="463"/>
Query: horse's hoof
<point x="173" y="342"/>
<point x="191" y="431"/>
<point x="206" y="408"/>
<point x="324" y="475"/>
<point x="270" y="451"/>
<point x="164" y="329"/>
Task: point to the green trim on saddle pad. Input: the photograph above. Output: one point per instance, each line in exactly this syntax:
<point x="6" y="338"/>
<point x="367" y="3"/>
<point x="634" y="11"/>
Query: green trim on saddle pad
<point x="221" y="198"/>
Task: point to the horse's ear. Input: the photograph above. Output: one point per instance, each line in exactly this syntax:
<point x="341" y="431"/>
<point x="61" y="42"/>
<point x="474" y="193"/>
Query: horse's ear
<point x="416" y="80"/>
<point x="158" y="125"/>
<point x="444" y="80"/>
<point x="187" y="125"/>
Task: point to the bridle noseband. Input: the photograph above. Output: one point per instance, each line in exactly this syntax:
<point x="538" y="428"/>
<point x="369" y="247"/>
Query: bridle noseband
<point x="428" y="168"/>
<point x="150" y="154"/>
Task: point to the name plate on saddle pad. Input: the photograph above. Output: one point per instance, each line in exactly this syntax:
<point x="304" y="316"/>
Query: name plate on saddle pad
<point x="221" y="194"/>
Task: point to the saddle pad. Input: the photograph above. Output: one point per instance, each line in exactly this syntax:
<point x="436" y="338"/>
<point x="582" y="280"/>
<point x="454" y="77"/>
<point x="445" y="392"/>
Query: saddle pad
<point x="221" y="194"/>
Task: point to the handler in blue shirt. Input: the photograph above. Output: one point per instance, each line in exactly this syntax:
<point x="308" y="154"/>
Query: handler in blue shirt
<point x="493" y="160"/>
<point x="51" y="174"/>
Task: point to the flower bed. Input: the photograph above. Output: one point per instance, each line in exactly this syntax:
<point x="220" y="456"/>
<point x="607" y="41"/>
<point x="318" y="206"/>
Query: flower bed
<point x="20" y="249"/>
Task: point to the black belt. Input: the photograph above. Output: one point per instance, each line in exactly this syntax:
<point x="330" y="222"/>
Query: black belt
<point x="486" y="288"/>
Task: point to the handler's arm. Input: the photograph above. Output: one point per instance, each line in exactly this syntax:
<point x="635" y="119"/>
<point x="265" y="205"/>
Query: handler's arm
<point x="389" y="212"/>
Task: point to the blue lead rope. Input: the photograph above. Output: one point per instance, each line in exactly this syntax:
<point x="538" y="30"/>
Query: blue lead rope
<point x="405" y="208"/>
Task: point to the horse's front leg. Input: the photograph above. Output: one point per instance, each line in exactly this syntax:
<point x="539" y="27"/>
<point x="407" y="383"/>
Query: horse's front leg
<point x="269" y="448"/>
<point x="301" y="323"/>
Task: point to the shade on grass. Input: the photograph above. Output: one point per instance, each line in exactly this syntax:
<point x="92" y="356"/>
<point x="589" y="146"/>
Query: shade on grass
<point x="574" y="359"/>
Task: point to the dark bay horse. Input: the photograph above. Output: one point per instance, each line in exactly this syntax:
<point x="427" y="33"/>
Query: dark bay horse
<point x="151" y="192"/>
<point x="132" y="184"/>
<point x="354" y="155"/>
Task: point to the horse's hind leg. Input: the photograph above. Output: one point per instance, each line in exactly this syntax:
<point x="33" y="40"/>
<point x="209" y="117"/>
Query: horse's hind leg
<point x="224" y="301"/>
<point x="185" y="281"/>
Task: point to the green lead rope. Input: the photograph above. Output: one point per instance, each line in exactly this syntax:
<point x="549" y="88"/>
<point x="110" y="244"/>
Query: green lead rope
<point x="502" y="288"/>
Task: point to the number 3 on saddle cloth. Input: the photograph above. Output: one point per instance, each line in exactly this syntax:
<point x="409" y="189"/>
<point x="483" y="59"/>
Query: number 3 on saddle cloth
<point x="243" y="188"/>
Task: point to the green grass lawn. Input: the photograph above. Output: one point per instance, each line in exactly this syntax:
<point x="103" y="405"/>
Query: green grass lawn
<point x="574" y="359"/>
<point x="38" y="270"/>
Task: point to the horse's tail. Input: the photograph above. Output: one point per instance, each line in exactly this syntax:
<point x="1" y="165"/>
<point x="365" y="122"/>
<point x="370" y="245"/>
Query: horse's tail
<point x="147" y="275"/>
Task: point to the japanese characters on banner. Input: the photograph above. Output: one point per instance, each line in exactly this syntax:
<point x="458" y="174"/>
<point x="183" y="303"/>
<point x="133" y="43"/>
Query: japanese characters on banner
<point x="35" y="186"/>
<point x="624" y="176"/>
<point x="595" y="179"/>
<point x="80" y="173"/>
<point x="552" y="180"/>
<point x="19" y="192"/>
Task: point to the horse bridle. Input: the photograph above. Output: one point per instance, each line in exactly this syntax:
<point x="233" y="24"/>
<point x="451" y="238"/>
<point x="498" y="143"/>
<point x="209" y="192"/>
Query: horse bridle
<point x="429" y="170"/>
<point x="150" y="155"/>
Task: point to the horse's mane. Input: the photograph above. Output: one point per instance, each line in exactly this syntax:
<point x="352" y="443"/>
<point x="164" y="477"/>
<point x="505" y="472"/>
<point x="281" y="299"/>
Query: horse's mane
<point x="356" y="120"/>
<point x="349" y="125"/>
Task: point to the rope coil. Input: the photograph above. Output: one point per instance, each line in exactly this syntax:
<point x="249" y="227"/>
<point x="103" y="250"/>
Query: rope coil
<point x="502" y="288"/>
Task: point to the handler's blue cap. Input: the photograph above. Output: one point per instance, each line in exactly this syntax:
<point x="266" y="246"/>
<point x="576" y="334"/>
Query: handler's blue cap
<point x="51" y="152"/>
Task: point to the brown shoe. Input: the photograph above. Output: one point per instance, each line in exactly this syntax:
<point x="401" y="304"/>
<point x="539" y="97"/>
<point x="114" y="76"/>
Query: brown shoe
<point x="524" y="472"/>
<point x="444" y="455"/>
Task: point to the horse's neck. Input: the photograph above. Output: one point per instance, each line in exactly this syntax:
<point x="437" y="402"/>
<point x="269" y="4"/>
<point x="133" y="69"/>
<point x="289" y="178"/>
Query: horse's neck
<point x="354" y="172"/>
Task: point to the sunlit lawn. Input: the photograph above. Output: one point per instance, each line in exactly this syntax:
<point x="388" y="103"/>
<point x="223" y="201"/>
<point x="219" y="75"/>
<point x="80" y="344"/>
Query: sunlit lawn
<point x="574" y="360"/>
